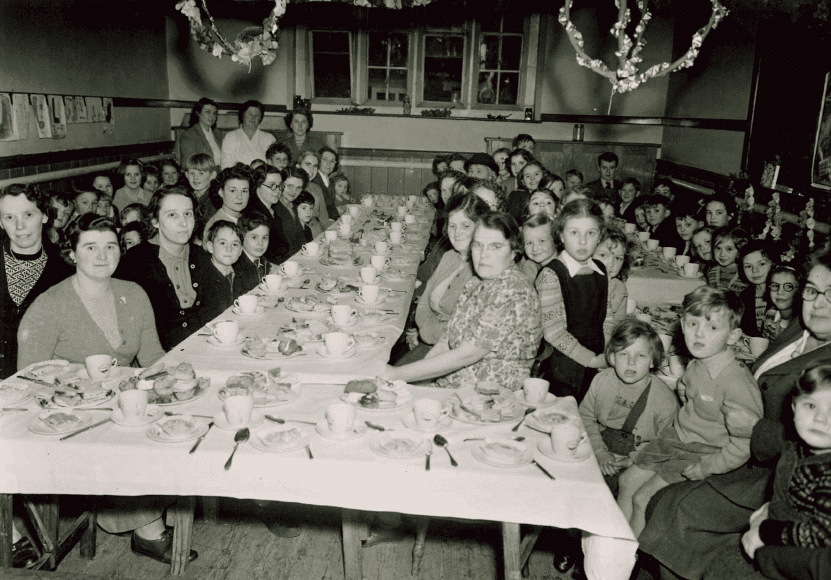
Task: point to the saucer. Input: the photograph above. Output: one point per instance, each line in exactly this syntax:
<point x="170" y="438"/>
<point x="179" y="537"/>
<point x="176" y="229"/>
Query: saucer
<point x="262" y="287"/>
<point x="410" y="423"/>
<point x="212" y="340"/>
<point x="549" y="400"/>
<point x="372" y="340"/>
<point x="321" y="350"/>
<point x="478" y="451"/>
<point x="377" y="280"/>
<point x="545" y="448"/>
<point x="387" y="253"/>
<point x="308" y="255"/>
<point x="352" y="322"/>
<point x="151" y="414"/>
<point x="155" y="433"/>
<point x="36" y="425"/>
<point x="381" y="300"/>
<point x="259" y="310"/>
<point x="116" y="373"/>
<point x="358" y="430"/>
<point x="399" y="446"/>
<point x="222" y="423"/>
<point x="697" y="276"/>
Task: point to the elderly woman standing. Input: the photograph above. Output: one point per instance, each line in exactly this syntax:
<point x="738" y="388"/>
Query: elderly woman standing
<point x="494" y="331"/>
<point x="247" y="143"/>
<point x="200" y="138"/>
<point x="683" y="534"/>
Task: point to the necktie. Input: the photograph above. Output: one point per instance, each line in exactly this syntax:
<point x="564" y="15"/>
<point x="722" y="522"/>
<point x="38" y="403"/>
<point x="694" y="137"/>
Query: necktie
<point x="230" y="278"/>
<point x="608" y="185"/>
<point x="260" y="269"/>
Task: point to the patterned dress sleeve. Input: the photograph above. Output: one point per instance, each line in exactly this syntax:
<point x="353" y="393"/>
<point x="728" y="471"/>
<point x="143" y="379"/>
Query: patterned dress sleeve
<point x="554" y="320"/>
<point x="810" y="491"/>
<point x="498" y="321"/>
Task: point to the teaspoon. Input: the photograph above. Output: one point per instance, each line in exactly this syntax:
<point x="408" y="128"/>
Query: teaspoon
<point x="442" y="442"/>
<point x="241" y="437"/>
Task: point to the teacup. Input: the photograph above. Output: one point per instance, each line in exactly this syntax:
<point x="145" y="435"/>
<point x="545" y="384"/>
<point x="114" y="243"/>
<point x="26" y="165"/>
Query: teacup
<point x="344" y="229"/>
<point x="410" y="204"/>
<point x="676" y="366"/>
<point x="340" y="417"/>
<point x="238" y="409"/>
<point x="566" y="438"/>
<point x="368" y="274"/>
<point x="643" y="236"/>
<point x="133" y="404"/>
<point x="409" y="219"/>
<point x="346" y="218"/>
<point x="343" y="314"/>
<point x="369" y="293"/>
<point x="631" y="305"/>
<point x="396" y="226"/>
<point x="312" y="248"/>
<point x="338" y="343"/>
<point x="379" y="262"/>
<point x="535" y="390"/>
<point x="381" y="247"/>
<point x="354" y="209"/>
<point x="690" y="270"/>
<point x="291" y="268"/>
<point x="396" y="237"/>
<point x="669" y="253"/>
<point x="429" y="413"/>
<point x="273" y="281"/>
<point x="331" y="235"/>
<point x="226" y="331"/>
<point x="247" y="303"/>
<point x="629" y="228"/>
<point x="402" y="210"/>
<point x="99" y="366"/>
<point x="666" y="340"/>
<point x="681" y="261"/>
<point x="756" y="344"/>
<point x="367" y="200"/>
<point x="652" y="245"/>
<point x="412" y="198"/>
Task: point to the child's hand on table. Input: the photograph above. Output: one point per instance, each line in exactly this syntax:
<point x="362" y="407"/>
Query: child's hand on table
<point x="751" y="541"/>
<point x="694" y="472"/>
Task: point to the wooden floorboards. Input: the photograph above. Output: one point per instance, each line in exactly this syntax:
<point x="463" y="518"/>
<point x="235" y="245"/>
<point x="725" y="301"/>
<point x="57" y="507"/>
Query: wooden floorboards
<point x="240" y="547"/>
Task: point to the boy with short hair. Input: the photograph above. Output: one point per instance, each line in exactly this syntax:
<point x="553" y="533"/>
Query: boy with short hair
<point x="233" y="187"/>
<point x="574" y="179"/>
<point x="304" y="205"/>
<point x="524" y="141"/>
<point x="279" y="155"/>
<point x="687" y="221"/>
<point x="724" y="273"/>
<point x="720" y="209"/>
<point x="200" y="170"/>
<point x="456" y="162"/>
<point x="625" y="206"/>
<point x="710" y="433"/>
<point x="657" y="208"/>
<point x="253" y="265"/>
<point x="223" y="241"/>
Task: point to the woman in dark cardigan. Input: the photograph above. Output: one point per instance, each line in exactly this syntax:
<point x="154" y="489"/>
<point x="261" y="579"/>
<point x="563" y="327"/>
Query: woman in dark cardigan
<point x="295" y="183"/>
<point x="689" y="521"/>
<point x="35" y="264"/>
<point x="267" y="187"/>
<point x="170" y="269"/>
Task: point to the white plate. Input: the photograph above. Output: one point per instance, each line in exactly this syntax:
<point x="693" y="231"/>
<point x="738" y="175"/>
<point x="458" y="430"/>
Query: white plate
<point x="336" y="263"/>
<point x="372" y="341"/>
<point x="257" y="311"/>
<point x="151" y="415"/>
<point x="199" y="392"/>
<point x="357" y="431"/>
<point x="403" y="262"/>
<point x="549" y="400"/>
<point x="259" y="444"/>
<point x="334" y="290"/>
<point x="479" y="453"/>
<point x="321" y="350"/>
<point x="381" y="300"/>
<point x="214" y="342"/>
<point x="543" y="426"/>
<point x="41" y="428"/>
<point x="396" y="276"/>
<point x="410" y="423"/>
<point x="371" y="319"/>
<point x="117" y="373"/>
<point x="418" y="445"/>
<point x="44" y="400"/>
<point x="265" y="289"/>
<point x="155" y="433"/>
<point x="273" y="355"/>
<point x="349" y="324"/>
<point x="222" y="423"/>
<point x="308" y="255"/>
<point x="46" y="370"/>
<point x="266" y="403"/>
<point x="405" y="399"/>
<point x="309" y="312"/>
<point x="17" y="392"/>
<point x="545" y="448"/>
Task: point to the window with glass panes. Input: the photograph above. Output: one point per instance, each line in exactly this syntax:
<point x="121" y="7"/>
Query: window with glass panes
<point x="443" y="66"/>
<point x="500" y="59"/>
<point x="387" y="65"/>
<point x="331" y="64"/>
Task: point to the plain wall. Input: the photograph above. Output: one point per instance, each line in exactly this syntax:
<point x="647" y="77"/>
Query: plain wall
<point x="52" y="49"/>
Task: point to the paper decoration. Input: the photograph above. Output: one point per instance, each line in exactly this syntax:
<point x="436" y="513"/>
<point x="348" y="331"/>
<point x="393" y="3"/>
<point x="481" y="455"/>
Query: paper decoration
<point x="7" y="128"/>
<point x="94" y="109"/>
<point x="20" y="102"/>
<point x="81" y="110"/>
<point x="58" y="116"/>
<point x="109" y="115"/>
<point x="42" y="116"/>
<point x="69" y="104"/>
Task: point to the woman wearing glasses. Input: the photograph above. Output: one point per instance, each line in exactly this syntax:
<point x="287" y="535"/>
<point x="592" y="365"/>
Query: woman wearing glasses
<point x="784" y="298"/>
<point x="267" y="182"/>
<point x="711" y="515"/>
<point x="294" y="183"/>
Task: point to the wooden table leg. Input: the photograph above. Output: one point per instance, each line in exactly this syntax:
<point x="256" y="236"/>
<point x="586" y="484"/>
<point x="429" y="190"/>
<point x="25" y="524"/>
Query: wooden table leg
<point x="422" y="523"/>
<point x="6" y="523"/>
<point x="43" y="509"/>
<point x="182" y="532"/>
<point x="354" y="532"/>
<point x="91" y="533"/>
<point x="510" y="550"/>
<point x="209" y="509"/>
<point x="526" y="547"/>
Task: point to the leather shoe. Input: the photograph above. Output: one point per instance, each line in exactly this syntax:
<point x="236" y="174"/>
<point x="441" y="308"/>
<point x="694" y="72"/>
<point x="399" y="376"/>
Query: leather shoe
<point x="23" y="553"/>
<point x="564" y="562"/>
<point x="160" y="549"/>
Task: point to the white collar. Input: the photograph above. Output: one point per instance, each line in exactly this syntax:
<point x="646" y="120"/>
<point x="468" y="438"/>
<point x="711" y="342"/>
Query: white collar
<point x="574" y="266"/>
<point x="250" y="257"/>
<point x="324" y="178"/>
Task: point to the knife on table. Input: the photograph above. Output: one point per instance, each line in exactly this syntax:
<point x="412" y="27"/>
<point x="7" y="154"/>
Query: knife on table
<point x="94" y="425"/>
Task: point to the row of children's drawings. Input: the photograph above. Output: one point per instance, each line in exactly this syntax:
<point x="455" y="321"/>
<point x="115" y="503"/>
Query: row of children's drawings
<point x="52" y="114"/>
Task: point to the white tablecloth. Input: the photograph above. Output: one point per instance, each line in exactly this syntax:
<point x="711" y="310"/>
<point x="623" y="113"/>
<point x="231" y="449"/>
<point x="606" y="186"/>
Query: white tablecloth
<point x="114" y="460"/>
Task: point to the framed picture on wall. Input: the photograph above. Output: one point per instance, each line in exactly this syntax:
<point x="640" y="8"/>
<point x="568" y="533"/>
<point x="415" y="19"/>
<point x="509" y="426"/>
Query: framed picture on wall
<point x="821" y="167"/>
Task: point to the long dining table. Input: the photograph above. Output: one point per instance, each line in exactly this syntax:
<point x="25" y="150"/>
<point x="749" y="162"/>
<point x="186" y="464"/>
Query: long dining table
<point x="112" y="460"/>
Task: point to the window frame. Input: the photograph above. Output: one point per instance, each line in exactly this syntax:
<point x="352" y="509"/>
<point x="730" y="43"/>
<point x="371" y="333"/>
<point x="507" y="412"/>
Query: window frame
<point x="423" y="33"/>
<point x="363" y="67"/>
<point x="523" y="68"/>
<point x="310" y="85"/>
